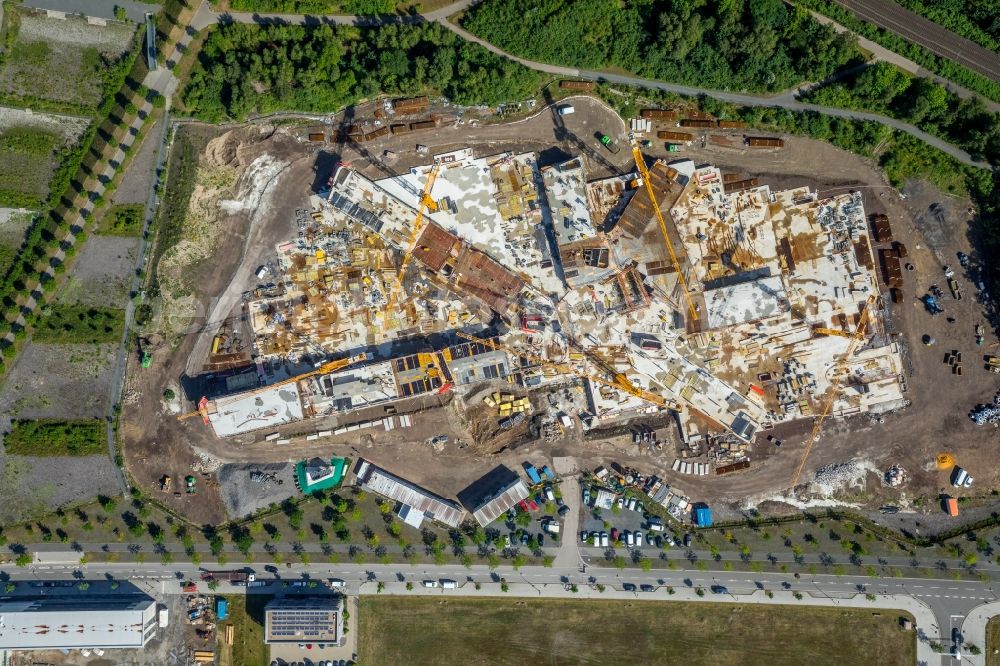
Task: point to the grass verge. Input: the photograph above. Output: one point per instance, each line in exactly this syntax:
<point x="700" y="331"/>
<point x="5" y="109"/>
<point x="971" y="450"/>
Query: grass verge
<point x="55" y="437"/>
<point x="79" y="324"/>
<point x="434" y="631"/>
<point x="121" y="220"/>
<point x="246" y="616"/>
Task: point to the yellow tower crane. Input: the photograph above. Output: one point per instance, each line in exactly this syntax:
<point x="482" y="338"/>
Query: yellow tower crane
<point x="617" y="380"/>
<point x="426" y="202"/>
<point x="640" y="163"/>
<point x="859" y="335"/>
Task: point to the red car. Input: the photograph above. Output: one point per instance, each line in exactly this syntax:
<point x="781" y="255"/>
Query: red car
<point x="614" y="534"/>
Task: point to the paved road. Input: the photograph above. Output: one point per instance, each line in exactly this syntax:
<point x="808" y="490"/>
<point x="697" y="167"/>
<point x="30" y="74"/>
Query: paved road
<point x="933" y="620"/>
<point x="915" y="28"/>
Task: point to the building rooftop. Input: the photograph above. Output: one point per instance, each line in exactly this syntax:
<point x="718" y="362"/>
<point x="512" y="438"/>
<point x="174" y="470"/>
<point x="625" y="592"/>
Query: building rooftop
<point x="303" y="620"/>
<point x="261" y="408"/>
<point x="745" y="301"/>
<point x="422" y="501"/>
<point x="504" y="498"/>
<point x="75" y="622"/>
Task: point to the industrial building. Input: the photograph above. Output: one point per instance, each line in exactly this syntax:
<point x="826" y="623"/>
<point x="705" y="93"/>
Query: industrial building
<point x="416" y="504"/>
<point x="315" y="619"/>
<point x="500" y="500"/>
<point x="76" y="621"/>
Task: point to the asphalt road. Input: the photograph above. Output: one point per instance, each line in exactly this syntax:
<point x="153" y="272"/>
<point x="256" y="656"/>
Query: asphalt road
<point x="937" y="605"/>
<point x="937" y="39"/>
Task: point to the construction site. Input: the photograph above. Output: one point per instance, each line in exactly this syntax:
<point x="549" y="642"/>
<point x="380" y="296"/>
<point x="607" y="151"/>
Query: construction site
<point x="494" y="296"/>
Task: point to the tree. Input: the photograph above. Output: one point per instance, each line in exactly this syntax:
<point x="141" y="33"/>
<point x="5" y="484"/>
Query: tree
<point x="213" y="584"/>
<point x="169" y="395"/>
<point x="23" y="559"/>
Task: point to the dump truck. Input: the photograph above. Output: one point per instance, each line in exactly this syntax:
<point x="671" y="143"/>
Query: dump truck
<point x="609" y="144"/>
<point x="236" y="578"/>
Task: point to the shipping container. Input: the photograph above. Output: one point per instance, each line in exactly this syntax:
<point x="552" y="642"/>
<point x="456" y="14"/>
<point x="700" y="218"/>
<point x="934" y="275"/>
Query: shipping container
<point x="422" y="125"/>
<point x="764" y="142"/>
<point x="317" y="137"/>
<point x="732" y="124"/>
<point x="692" y="122"/>
<point x="532" y="473"/>
<point x="675" y="136"/>
<point x="951" y="506"/>
<point x="400" y="129"/>
<point x="377" y="134"/>
<point x="411" y="105"/>
<point x="740" y="185"/>
<point x="576" y="85"/>
<point x="658" y="114"/>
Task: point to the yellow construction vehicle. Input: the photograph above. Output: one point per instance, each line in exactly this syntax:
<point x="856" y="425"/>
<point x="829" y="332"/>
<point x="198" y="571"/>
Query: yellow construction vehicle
<point x="323" y="369"/>
<point x="859" y="335"/>
<point x="944" y="461"/>
<point x="616" y="380"/>
<point x="640" y="163"/>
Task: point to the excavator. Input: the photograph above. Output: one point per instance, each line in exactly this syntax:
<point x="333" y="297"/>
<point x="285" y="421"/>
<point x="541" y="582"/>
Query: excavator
<point x="615" y="380"/>
<point x="322" y="369"/>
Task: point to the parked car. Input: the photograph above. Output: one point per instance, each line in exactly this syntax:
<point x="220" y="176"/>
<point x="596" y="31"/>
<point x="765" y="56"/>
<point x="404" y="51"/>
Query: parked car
<point x="719" y="589"/>
<point x="628" y="587"/>
<point x="525" y="538"/>
<point x="540" y="539"/>
<point x="549" y="495"/>
<point x="584" y="535"/>
<point x="604" y="540"/>
<point x="629" y="539"/>
<point x="647" y="588"/>
<point x="621" y="502"/>
<point x="563" y="510"/>
<point x="430" y="583"/>
<point x="560" y="502"/>
<point x="596" y="536"/>
<point x="687" y="540"/>
<point x="638" y="539"/>
<point x="614" y="534"/>
<point x="659" y="541"/>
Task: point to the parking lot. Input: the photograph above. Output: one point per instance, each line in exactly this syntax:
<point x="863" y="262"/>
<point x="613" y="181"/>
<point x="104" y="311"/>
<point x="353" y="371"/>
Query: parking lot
<point x="623" y="522"/>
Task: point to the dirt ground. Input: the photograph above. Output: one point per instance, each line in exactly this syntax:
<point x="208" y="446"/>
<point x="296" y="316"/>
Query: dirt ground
<point x="134" y="186"/>
<point x="102" y="272"/>
<point x="936" y="421"/>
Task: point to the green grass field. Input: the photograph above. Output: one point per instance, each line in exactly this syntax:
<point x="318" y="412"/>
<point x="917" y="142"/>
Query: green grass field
<point x="246" y="615"/>
<point x="992" y="642"/>
<point x="79" y="324"/>
<point x="54" y="437"/>
<point x="396" y="630"/>
<point x="29" y="158"/>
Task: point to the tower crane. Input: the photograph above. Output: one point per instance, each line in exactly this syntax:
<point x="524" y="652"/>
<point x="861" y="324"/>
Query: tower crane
<point x="640" y="163"/>
<point x="324" y="369"/>
<point x="616" y="379"/>
<point x="426" y="202"/>
<point x="859" y="335"/>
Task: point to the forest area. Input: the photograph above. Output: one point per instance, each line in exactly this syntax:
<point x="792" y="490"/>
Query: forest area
<point x="884" y="88"/>
<point x="744" y="45"/>
<point x="356" y="7"/>
<point x="245" y="69"/>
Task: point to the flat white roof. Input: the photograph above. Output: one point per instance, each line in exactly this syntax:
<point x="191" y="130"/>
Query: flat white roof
<point x="244" y="412"/>
<point x="76" y="622"/>
<point x="746" y="301"/>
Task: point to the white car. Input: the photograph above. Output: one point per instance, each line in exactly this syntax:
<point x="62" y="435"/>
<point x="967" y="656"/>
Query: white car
<point x="621" y="502"/>
<point x="604" y="540"/>
<point x="638" y="539"/>
<point x="430" y="583"/>
<point x="629" y="540"/>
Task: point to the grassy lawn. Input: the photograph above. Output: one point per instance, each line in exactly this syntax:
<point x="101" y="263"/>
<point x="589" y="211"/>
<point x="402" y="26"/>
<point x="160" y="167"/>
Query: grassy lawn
<point x="122" y="220"/>
<point x="28" y="155"/>
<point x="246" y="615"/>
<point x="53" y="437"/>
<point x="992" y="642"/>
<point x="80" y="324"/>
<point x="71" y="57"/>
<point x="397" y="630"/>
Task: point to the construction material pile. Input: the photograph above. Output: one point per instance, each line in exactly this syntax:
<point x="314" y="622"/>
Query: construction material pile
<point x="983" y="414"/>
